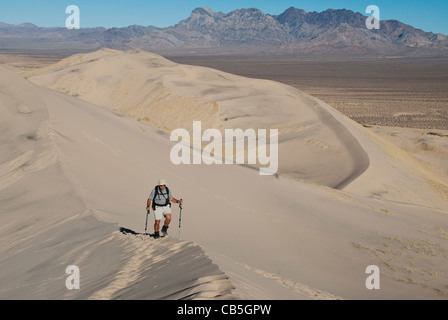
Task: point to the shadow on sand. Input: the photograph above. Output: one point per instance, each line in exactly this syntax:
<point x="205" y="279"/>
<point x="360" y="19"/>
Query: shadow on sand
<point x="127" y="231"/>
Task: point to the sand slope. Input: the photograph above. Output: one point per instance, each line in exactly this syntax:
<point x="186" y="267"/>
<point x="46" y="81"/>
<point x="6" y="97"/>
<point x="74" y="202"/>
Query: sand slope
<point x="46" y="225"/>
<point x="316" y="143"/>
<point x="274" y="237"/>
<point x="170" y="96"/>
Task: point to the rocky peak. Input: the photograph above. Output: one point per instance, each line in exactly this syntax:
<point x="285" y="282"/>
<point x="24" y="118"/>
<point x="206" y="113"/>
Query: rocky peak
<point x="203" y="11"/>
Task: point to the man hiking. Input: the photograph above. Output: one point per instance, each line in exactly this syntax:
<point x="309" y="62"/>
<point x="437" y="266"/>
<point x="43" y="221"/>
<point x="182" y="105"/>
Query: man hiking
<point x="160" y="197"/>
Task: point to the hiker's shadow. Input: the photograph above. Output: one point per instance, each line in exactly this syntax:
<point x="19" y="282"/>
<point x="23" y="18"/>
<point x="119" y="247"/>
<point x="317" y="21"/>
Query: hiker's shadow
<point x="127" y="231"/>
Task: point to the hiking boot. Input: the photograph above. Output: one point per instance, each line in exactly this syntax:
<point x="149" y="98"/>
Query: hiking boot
<point x="156" y="235"/>
<point x="164" y="231"/>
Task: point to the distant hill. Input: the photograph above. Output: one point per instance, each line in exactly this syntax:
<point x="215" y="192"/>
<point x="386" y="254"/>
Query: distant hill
<point x="242" y="31"/>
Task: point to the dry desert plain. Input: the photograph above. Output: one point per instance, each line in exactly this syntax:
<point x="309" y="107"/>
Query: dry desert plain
<point x="402" y="92"/>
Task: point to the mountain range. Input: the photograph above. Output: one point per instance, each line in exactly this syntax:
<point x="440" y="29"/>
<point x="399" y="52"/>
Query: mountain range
<point x="242" y="31"/>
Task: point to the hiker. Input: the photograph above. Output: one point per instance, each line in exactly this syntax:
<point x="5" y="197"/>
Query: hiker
<point x="160" y="197"/>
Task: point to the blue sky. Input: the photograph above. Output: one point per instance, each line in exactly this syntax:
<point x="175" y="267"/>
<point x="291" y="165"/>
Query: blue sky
<point x="429" y="15"/>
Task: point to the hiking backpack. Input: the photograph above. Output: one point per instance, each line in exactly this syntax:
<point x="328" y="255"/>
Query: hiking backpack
<point x="156" y="193"/>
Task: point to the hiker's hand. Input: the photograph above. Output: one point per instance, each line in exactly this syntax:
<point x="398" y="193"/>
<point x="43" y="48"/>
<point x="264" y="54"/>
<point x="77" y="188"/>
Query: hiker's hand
<point x="180" y="201"/>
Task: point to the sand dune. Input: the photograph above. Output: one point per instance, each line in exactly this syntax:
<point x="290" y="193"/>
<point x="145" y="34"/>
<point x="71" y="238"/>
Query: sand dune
<point x="316" y="143"/>
<point x="46" y="225"/>
<point x="170" y="96"/>
<point x="273" y="237"/>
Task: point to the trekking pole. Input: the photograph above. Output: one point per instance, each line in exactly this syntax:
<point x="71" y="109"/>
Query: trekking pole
<point x="180" y="220"/>
<point x="146" y="223"/>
